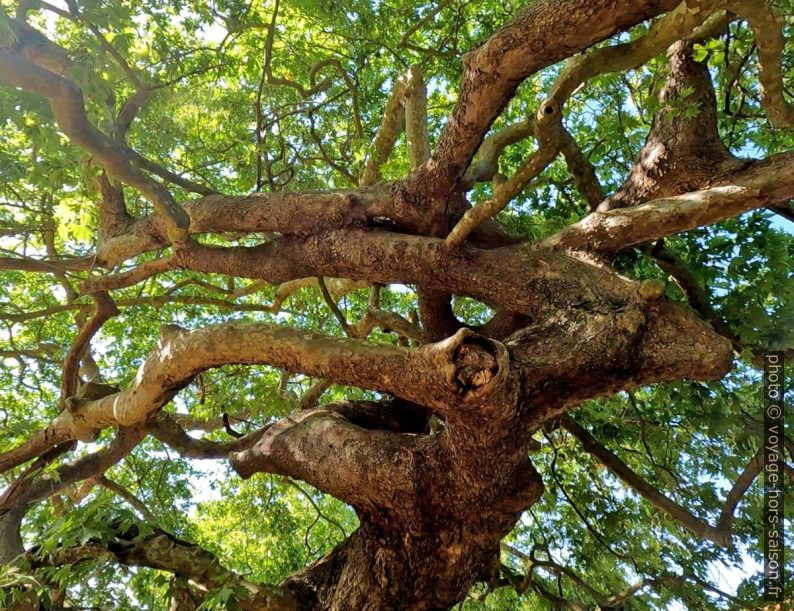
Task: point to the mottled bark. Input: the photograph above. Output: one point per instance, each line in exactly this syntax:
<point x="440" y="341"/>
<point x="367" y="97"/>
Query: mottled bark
<point x="433" y="504"/>
<point x="683" y="150"/>
<point x="542" y="34"/>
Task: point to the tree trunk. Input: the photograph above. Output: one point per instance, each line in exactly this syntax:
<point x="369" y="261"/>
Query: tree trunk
<point x="428" y="562"/>
<point x="433" y="505"/>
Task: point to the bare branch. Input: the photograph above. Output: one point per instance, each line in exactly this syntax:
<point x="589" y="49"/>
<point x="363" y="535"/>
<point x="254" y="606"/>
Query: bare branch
<point x="167" y="429"/>
<point x="316" y="86"/>
<point x="390" y="321"/>
<point x="312" y="396"/>
<point x="390" y="127"/>
<point x="338" y="287"/>
<point x="192" y="423"/>
<point x="64" y="264"/>
<point x="416" y="118"/>
<point x="581" y="169"/>
<point x="105" y="310"/>
<point x="665" y="580"/>
<point x="547" y="127"/>
<point x="486" y="163"/>
<point x="66" y="102"/>
<point x="125" y="494"/>
<point x="767" y="28"/>
<point x="131" y="276"/>
<point x="174" y="178"/>
<point x="720" y="534"/>
<point x="332" y="305"/>
<point x="420" y="23"/>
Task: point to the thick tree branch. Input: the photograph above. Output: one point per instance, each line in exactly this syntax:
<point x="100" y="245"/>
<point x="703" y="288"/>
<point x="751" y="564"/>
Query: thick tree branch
<point x="767" y="28"/>
<point x="434" y="306"/>
<point x="391" y="125"/>
<point x="416" y="131"/>
<point x="11" y="519"/>
<point x="324" y="449"/>
<point x="683" y="151"/>
<point x="435" y="312"/>
<point x="282" y="212"/>
<point x="763" y="183"/>
<point x="430" y="375"/>
<point x="579" y="354"/>
<point x="165" y="552"/>
<point x="36" y="445"/>
<point x="33" y="490"/>
<point x="66" y="102"/>
<point x="542" y="34"/>
<point x="11" y="546"/>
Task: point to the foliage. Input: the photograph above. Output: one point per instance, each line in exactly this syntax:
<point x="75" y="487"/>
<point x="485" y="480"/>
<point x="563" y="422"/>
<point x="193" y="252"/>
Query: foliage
<point x="687" y="438"/>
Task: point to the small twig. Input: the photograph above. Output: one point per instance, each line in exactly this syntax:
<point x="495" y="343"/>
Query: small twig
<point x="105" y="310"/>
<point x="334" y="307"/>
<point x="228" y="427"/>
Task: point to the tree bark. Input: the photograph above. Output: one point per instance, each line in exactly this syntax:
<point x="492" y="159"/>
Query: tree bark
<point x="433" y="505"/>
<point x="427" y="555"/>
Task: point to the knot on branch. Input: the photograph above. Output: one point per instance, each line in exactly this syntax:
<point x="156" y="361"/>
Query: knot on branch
<point x="78" y="425"/>
<point x="169" y="332"/>
<point x="651" y="289"/>
<point x="86" y="394"/>
<point x="476" y="366"/>
<point x="473" y="365"/>
<point x="548" y="113"/>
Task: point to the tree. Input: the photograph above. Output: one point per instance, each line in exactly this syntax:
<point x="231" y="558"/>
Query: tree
<point x="510" y="358"/>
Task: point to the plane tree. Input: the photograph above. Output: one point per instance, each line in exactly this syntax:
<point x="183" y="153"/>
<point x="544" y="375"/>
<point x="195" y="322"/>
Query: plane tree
<point x="379" y="305"/>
